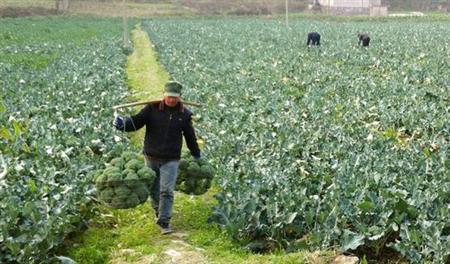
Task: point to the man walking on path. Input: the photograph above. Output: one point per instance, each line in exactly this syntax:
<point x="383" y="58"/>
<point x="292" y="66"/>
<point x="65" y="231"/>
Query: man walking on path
<point x="166" y="122"/>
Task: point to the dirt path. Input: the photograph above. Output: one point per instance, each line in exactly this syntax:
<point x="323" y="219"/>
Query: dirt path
<point x="180" y="252"/>
<point x="146" y="78"/>
<point x="176" y="252"/>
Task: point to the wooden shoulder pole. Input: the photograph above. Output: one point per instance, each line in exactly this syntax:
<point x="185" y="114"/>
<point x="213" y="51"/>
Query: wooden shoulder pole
<point x="151" y="102"/>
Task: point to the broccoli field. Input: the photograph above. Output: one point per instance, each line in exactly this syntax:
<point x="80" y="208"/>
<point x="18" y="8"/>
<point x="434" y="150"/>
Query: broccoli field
<point x="56" y="88"/>
<point x="332" y="147"/>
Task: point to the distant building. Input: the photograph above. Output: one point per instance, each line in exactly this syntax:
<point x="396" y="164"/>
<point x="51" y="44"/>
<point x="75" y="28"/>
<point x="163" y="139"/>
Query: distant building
<point x="441" y="5"/>
<point x="352" y="7"/>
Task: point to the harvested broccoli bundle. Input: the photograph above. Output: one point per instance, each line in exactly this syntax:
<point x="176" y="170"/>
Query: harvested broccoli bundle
<point x="125" y="181"/>
<point x="194" y="176"/>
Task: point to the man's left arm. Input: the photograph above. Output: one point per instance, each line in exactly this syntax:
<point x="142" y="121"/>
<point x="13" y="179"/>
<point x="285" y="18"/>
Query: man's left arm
<point x="191" y="139"/>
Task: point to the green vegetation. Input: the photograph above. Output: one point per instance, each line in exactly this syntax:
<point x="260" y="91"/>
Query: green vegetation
<point x="36" y="42"/>
<point x="125" y="181"/>
<point x="428" y="17"/>
<point x="145" y="75"/>
<point x="328" y="147"/>
<point x="56" y="89"/>
<point x="132" y="236"/>
<point x="118" y="236"/>
<point x="331" y="148"/>
<point x="195" y="176"/>
<point x="28" y="3"/>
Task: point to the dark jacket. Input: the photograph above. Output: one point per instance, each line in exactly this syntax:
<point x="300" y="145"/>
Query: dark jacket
<point x="364" y="38"/>
<point x="164" y="128"/>
<point x="313" y="37"/>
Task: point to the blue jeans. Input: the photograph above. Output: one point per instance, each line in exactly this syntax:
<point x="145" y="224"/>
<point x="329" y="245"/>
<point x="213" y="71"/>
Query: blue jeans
<point x="161" y="192"/>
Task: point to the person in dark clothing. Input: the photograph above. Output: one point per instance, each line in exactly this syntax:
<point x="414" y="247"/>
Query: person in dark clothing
<point x="313" y="38"/>
<point x="364" y="38"/>
<point x="166" y="122"/>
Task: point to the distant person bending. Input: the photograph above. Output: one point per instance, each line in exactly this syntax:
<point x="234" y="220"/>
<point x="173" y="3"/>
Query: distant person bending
<point x="313" y="39"/>
<point x="364" y="38"/>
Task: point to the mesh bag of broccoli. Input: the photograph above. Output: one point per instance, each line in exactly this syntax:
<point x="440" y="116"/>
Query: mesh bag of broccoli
<point x="125" y="182"/>
<point x="194" y="176"/>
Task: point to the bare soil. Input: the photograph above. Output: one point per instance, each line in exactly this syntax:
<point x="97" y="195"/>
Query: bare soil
<point x="26" y="11"/>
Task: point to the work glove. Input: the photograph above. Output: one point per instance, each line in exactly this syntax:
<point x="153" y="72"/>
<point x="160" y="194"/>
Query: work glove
<point x="118" y="122"/>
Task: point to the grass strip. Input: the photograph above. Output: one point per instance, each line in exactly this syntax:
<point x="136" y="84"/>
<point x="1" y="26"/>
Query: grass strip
<point x="131" y="236"/>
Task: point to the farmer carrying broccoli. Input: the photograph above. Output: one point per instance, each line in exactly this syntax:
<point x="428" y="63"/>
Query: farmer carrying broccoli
<point x="165" y="123"/>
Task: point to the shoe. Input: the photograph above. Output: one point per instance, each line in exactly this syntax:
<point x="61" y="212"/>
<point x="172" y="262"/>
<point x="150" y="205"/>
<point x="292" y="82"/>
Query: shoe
<point x="165" y="228"/>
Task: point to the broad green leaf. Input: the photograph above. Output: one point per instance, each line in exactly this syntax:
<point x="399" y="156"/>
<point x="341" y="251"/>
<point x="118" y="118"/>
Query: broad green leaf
<point x="5" y="134"/>
<point x="17" y="127"/>
<point x="366" y="206"/>
<point x="2" y="107"/>
<point x="352" y="240"/>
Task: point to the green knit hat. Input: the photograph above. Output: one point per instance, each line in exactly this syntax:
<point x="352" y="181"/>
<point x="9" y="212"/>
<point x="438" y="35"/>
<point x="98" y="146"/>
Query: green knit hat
<point x="172" y="88"/>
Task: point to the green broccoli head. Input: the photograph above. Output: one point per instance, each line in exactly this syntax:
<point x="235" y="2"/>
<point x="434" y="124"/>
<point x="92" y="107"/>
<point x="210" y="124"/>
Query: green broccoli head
<point x="95" y="174"/>
<point x="125" y="202"/>
<point x="199" y="190"/>
<point x="146" y="174"/>
<point x="128" y="155"/>
<point x="122" y="191"/>
<point x="125" y="172"/>
<point x="193" y="169"/>
<point x="132" y="180"/>
<point x="110" y="170"/>
<point x="134" y="164"/>
<point x="184" y="164"/>
<point x="120" y="186"/>
<point x="101" y="178"/>
<point x="207" y="171"/>
<point x="142" y="193"/>
<point x="201" y="186"/>
<point x="114" y="179"/>
<point x="202" y="162"/>
<point x="182" y="174"/>
<point x="132" y="200"/>
<point x="122" y="197"/>
<point x="194" y="176"/>
<point x="117" y="162"/>
<point x="101" y="185"/>
<point x="106" y="195"/>
<point x="181" y="178"/>
<point x="118" y="203"/>
<point x="180" y="186"/>
<point x="190" y="184"/>
<point x="206" y="183"/>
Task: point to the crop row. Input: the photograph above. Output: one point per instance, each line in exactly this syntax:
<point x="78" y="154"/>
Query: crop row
<point x="57" y="86"/>
<point x="330" y="147"/>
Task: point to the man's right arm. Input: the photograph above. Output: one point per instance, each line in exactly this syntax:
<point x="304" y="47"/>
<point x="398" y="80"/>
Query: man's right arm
<point x="133" y="123"/>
